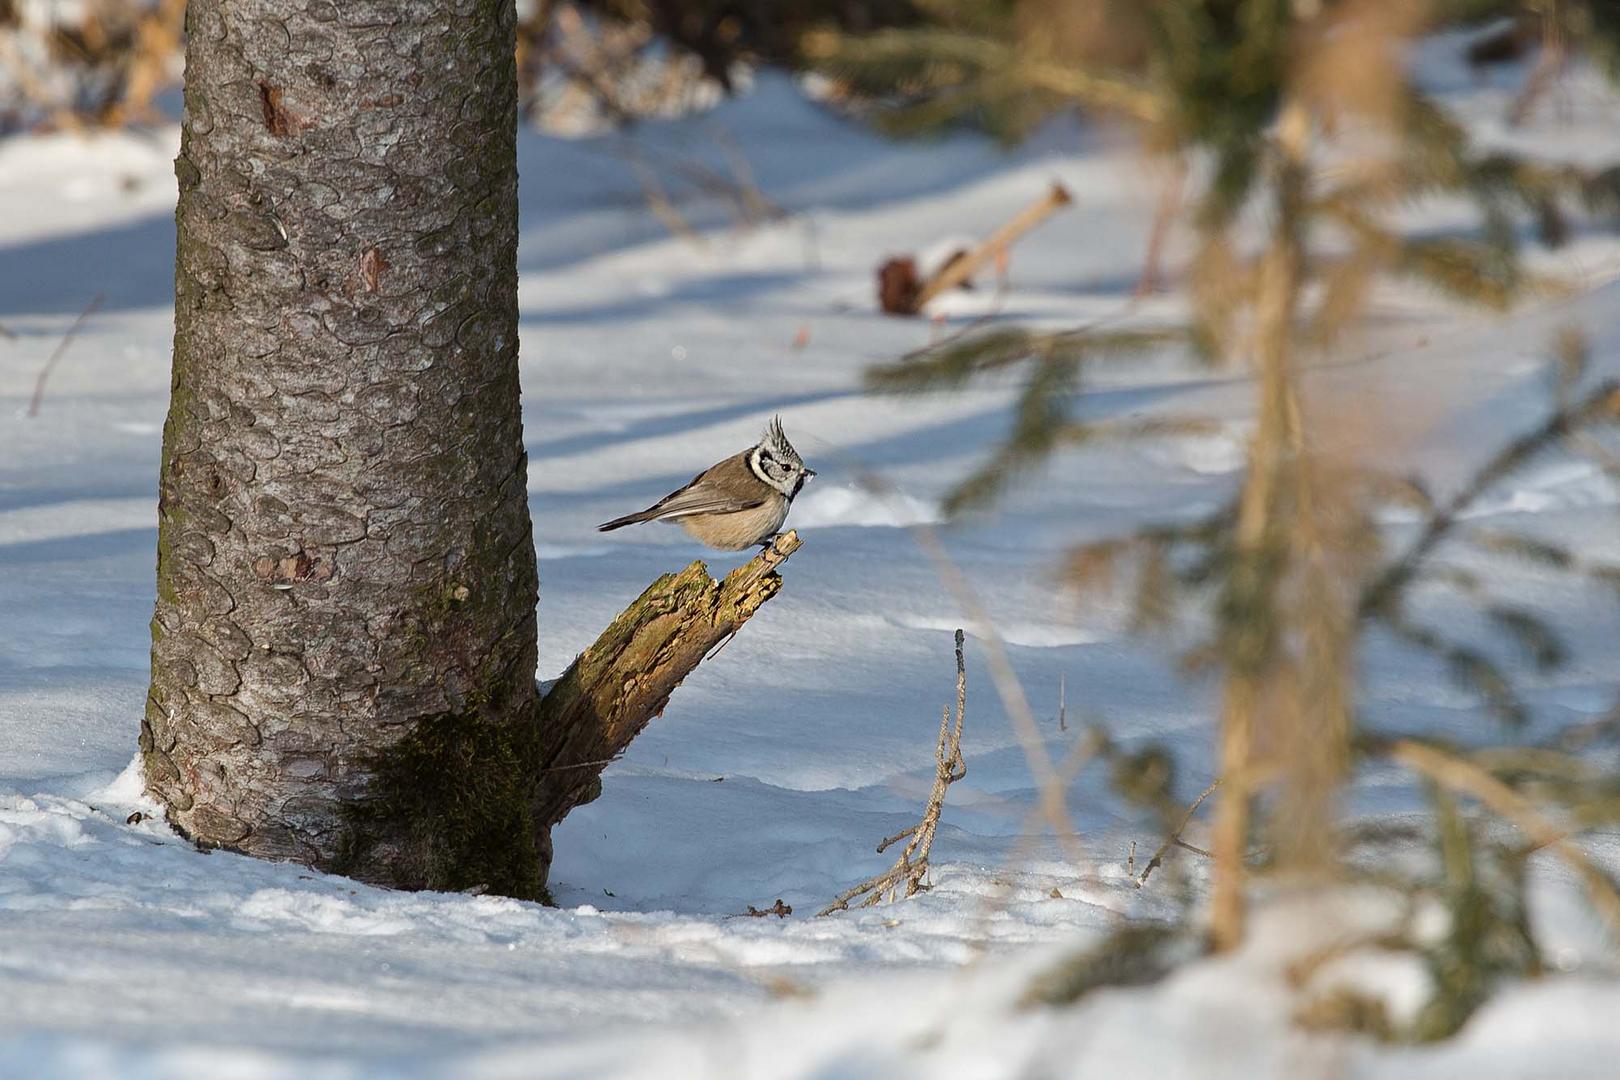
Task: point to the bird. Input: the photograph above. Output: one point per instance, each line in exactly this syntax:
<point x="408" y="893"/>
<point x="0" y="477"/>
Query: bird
<point x="737" y="503"/>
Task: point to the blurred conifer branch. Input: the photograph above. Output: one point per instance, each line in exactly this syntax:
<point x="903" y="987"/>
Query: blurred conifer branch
<point x="1309" y="118"/>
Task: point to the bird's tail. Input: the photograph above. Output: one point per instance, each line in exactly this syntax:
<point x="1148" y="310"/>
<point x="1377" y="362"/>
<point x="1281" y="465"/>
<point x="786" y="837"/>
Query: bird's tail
<point x="628" y="519"/>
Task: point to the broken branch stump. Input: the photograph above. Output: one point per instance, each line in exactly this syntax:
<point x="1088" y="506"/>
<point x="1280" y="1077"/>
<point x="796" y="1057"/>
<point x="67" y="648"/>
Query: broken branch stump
<point x="618" y="685"/>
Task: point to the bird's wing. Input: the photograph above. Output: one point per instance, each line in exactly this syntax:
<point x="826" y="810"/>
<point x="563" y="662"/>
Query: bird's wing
<point x="722" y="489"/>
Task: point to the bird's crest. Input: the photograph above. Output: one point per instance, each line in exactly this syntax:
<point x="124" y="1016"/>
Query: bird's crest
<point x="776" y="441"/>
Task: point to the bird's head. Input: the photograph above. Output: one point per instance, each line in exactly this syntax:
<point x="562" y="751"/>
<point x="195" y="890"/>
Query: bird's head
<point x="775" y="461"/>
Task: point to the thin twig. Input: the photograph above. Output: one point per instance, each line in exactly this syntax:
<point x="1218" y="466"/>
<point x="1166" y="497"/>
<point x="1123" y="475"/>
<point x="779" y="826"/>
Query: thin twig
<point x="779" y="909"/>
<point x="912" y="865"/>
<point x="752" y="201"/>
<point x="889" y="841"/>
<point x="1174" y="839"/>
<point x="599" y="763"/>
<point x="56" y="356"/>
<point x="1052" y="802"/>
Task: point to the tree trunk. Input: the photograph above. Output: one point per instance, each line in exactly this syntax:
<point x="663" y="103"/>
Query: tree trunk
<point x="344" y="644"/>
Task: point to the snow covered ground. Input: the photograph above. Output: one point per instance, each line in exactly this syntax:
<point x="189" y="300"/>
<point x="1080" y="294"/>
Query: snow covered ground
<point x="778" y="766"/>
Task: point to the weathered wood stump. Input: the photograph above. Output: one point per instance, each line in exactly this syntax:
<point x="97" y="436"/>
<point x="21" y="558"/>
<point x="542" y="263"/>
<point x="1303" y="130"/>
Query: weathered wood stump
<point x="616" y="687"/>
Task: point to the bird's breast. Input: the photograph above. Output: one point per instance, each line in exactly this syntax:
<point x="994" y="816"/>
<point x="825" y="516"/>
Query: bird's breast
<point x="735" y="531"/>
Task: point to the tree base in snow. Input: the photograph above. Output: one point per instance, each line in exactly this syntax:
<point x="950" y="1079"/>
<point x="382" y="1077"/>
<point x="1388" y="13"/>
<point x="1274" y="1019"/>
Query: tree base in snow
<point x="465" y="805"/>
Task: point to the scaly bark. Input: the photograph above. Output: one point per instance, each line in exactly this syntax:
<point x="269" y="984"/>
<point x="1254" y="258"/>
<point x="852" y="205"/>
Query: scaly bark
<point x="344" y="556"/>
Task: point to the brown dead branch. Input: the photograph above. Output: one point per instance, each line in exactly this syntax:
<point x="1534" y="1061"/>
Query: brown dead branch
<point x="911" y="867"/>
<point x="1174" y="839"/>
<point x="56" y="356"/>
<point x="955" y="271"/>
<point x="618" y="685"/>
<point x="1050" y="777"/>
<point x="779" y="909"/>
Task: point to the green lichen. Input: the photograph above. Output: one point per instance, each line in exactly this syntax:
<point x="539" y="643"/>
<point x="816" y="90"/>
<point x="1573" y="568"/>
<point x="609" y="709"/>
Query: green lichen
<point x="455" y="799"/>
<point x="451" y="805"/>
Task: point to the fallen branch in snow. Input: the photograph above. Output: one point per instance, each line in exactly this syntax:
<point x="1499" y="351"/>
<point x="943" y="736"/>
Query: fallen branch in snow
<point x="1174" y="839"/>
<point x="912" y="865"/>
<point x="615" y="687"/>
<point x="959" y="270"/>
<point x="56" y="355"/>
<point x="898" y="299"/>
<point x="779" y="909"/>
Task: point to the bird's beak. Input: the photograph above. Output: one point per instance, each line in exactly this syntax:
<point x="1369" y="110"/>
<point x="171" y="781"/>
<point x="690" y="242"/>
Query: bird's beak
<point x="808" y="473"/>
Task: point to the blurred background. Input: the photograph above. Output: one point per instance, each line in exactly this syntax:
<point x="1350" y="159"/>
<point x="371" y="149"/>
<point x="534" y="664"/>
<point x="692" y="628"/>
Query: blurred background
<point x="1240" y="374"/>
